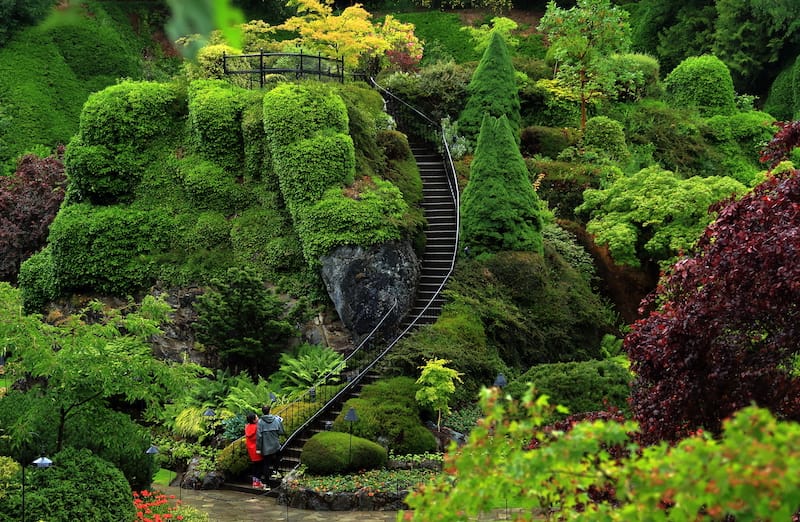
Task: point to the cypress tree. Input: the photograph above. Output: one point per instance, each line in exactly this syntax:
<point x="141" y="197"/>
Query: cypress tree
<point x="492" y="90"/>
<point x="500" y="209"/>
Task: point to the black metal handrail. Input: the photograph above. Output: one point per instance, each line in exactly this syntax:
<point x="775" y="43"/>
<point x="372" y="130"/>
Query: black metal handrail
<point x="420" y="125"/>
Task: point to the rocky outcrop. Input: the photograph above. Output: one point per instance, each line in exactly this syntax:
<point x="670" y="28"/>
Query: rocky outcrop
<point x="366" y="283"/>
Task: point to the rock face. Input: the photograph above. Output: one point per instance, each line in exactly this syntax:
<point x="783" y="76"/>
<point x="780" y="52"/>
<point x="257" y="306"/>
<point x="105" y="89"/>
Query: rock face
<point x="365" y="283"/>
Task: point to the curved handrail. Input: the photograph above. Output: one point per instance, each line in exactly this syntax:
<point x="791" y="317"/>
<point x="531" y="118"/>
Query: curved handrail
<point x="433" y="132"/>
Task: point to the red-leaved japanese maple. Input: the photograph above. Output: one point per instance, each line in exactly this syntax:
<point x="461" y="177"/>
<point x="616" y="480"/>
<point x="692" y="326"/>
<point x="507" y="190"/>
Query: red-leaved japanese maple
<point x="726" y="330"/>
<point x="29" y="200"/>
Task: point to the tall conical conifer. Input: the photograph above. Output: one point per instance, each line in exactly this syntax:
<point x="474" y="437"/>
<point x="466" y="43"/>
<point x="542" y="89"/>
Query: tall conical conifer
<point x="492" y="91"/>
<point x="500" y="209"/>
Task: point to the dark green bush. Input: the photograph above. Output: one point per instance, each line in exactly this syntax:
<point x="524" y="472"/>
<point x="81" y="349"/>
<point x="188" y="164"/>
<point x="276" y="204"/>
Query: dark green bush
<point x="257" y="160"/>
<point x="371" y="216"/>
<point x="294" y="112"/>
<point x="51" y="494"/>
<point x="606" y="135"/>
<point x="215" y="119"/>
<point x="364" y="108"/>
<point x="211" y="230"/>
<point x="580" y="386"/>
<point x="703" y="82"/>
<point x="37" y="282"/>
<point x="395" y="145"/>
<point x="332" y="452"/>
<point x="107" y="249"/>
<point x="780" y="102"/>
<point x="131" y="113"/>
<point x="435" y="28"/>
<point x="390" y="415"/>
<point x="16" y="15"/>
<point x="211" y="187"/>
<point x="100" y="175"/>
<point x="546" y="141"/>
<point x="500" y="209"/>
<point x="307" y="168"/>
<point x="544" y="103"/>
<point x="637" y="76"/>
<point x="492" y="91"/>
<point x="563" y="183"/>
<point x="265" y="239"/>
<point x="739" y="138"/>
<point x="234" y="461"/>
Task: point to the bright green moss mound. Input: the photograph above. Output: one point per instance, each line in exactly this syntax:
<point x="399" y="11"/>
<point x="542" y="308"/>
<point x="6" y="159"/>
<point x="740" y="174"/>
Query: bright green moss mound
<point x="332" y="452"/>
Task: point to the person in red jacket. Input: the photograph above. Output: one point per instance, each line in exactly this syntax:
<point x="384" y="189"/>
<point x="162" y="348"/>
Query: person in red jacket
<point x="250" y="441"/>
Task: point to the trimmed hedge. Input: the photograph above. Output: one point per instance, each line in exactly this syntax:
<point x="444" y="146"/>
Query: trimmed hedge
<point x="703" y="82"/>
<point x="332" y="452"/>
<point x="294" y="112"/>
<point x="265" y="239"/>
<point x="374" y="215"/>
<point x="257" y="159"/>
<point x="390" y="415"/>
<point x="215" y="120"/>
<point x="580" y="386"/>
<point x="233" y="461"/>
<point x="107" y="249"/>
<point x="607" y="135"/>
<point x="309" y="167"/>
<point x="101" y="175"/>
<point x="130" y="114"/>
<point x="37" y="281"/>
<point x="210" y="187"/>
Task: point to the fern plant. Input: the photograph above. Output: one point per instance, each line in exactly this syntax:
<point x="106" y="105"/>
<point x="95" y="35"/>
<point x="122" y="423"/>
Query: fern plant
<point x="309" y="368"/>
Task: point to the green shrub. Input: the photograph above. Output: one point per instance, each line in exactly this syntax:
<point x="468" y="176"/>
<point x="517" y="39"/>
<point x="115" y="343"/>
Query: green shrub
<point x="492" y="91"/>
<point x="14" y="16"/>
<point x="211" y="187"/>
<point x="210" y="230"/>
<point x="739" y="138"/>
<point x="37" y="282"/>
<point x="51" y="494"/>
<point x="607" y="135"/>
<point x="309" y="167"/>
<point x="215" y="120"/>
<point x="374" y="215"/>
<point x="107" y="249"/>
<point x="563" y="183"/>
<point x="500" y="209"/>
<point x="395" y="145"/>
<point x="209" y="62"/>
<point x="257" y="159"/>
<point x="233" y="460"/>
<point x="637" y="76"/>
<point x="580" y="386"/>
<point x="703" y="82"/>
<point x="546" y="141"/>
<point x="332" y="452"/>
<point x="780" y="102"/>
<point x="294" y="112"/>
<point x="131" y="113"/>
<point x="545" y="103"/>
<point x="364" y="110"/>
<point x="435" y="28"/>
<point x="265" y="239"/>
<point x="101" y="175"/>
<point x="389" y="414"/>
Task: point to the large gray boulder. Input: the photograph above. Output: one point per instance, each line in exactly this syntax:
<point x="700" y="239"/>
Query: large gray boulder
<point x="364" y="284"/>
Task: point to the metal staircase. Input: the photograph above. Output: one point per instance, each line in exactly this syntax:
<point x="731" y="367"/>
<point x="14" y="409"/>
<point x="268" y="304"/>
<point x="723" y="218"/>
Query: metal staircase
<point x="440" y="204"/>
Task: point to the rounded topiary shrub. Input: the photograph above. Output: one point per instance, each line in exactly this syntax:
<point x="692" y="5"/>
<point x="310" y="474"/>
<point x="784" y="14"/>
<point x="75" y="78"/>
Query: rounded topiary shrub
<point x="546" y="141"/>
<point x="37" y="283"/>
<point x="131" y="113"/>
<point x="331" y="452"/>
<point x="210" y="187"/>
<point x="580" y="386"/>
<point x="99" y="174"/>
<point x="294" y="112"/>
<point x="211" y="230"/>
<point x="51" y="494"/>
<point x="234" y="461"/>
<point x="215" y="120"/>
<point x="107" y="249"/>
<point x="389" y="414"/>
<point x="264" y="238"/>
<point x="607" y="135"/>
<point x="780" y="102"/>
<point x="703" y="82"/>
<point x="637" y="75"/>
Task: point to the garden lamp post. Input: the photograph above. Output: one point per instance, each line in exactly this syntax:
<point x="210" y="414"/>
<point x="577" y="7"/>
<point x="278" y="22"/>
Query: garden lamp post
<point x="209" y="413"/>
<point x="500" y="381"/>
<point x="272" y="397"/>
<point x="351" y="416"/>
<point x="42" y="462"/>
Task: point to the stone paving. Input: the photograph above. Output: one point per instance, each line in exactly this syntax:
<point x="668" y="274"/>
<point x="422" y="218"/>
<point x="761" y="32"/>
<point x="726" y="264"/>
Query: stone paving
<point x="234" y="506"/>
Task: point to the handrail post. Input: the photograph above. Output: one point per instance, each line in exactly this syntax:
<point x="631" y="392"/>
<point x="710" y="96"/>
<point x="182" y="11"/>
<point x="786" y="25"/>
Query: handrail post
<point x="261" y="68"/>
<point x="319" y="66"/>
<point x="224" y="64"/>
<point x="302" y="74"/>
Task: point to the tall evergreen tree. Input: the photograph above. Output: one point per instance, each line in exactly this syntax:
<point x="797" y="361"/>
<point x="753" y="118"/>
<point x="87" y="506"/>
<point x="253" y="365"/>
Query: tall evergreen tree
<point x="492" y="90"/>
<point x="500" y="209"/>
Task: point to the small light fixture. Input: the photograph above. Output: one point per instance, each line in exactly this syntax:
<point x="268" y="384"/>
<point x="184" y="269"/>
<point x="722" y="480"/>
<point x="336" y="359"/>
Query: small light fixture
<point x="351" y="415"/>
<point x="312" y="393"/>
<point x="272" y="397"/>
<point x="43" y="462"/>
<point x="500" y="381"/>
<point x="152" y="450"/>
<point x="209" y="413"/>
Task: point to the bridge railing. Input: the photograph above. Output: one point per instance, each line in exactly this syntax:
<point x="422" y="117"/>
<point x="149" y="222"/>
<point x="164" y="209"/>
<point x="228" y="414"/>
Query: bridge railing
<point x="255" y="67"/>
